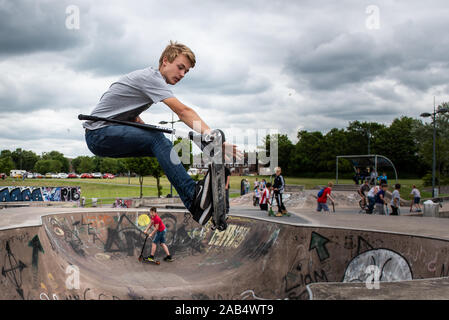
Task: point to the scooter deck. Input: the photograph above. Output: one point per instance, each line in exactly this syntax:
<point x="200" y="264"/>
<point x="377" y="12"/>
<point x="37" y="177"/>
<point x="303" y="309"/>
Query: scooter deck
<point x="217" y="173"/>
<point x="212" y="147"/>
<point x="153" y="262"/>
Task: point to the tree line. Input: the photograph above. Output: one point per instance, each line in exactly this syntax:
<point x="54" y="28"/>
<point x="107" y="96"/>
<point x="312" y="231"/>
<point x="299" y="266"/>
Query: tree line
<point x="407" y="142"/>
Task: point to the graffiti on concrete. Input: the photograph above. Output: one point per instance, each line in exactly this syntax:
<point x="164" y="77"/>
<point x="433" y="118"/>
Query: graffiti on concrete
<point x="232" y="237"/>
<point x="296" y="281"/>
<point x="12" y="269"/>
<point x="318" y="242"/>
<point x="182" y="238"/>
<point x="363" y="245"/>
<point x="12" y="194"/>
<point x="285" y="259"/>
<point x="87" y="295"/>
<point x="70" y="234"/>
<point x="37" y="247"/>
<point x="250" y="295"/>
<point x="259" y="243"/>
<point x="124" y="234"/>
<point x="125" y="237"/>
<point x="392" y="266"/>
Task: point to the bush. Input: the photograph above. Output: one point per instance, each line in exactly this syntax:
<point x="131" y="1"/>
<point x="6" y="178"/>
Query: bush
<point x="427" y="180"/>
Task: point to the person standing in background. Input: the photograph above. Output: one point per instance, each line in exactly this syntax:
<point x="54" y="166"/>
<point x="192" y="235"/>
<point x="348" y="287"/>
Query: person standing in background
<point x="416" y="199"/>
<point x="395" y="200"/>
<point x="278" y="189"/>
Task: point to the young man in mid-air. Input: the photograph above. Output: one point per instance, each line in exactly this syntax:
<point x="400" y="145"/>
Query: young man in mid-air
<point x="134" y="93"/>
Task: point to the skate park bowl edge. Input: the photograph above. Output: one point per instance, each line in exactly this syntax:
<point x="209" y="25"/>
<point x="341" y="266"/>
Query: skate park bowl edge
<point x="94" y="255"/>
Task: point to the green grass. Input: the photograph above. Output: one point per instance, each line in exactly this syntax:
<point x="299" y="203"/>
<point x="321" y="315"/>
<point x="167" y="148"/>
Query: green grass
<point x="119" y="187"/>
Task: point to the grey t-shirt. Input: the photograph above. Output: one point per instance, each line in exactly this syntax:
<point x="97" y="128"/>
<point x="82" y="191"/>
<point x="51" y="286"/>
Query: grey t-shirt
<point x="130" y="96"/>
<point x="395" y="195"/>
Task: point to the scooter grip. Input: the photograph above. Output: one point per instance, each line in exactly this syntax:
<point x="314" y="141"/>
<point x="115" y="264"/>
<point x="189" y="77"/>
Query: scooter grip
<point x="86" y="117"/>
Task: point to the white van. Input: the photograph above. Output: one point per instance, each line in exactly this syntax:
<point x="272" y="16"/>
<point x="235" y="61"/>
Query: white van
<point x="17" y="173"/>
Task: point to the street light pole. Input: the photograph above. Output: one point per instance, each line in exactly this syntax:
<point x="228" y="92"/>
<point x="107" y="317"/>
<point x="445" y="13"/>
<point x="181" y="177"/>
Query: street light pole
<point x="433" y="115"/>
<point x="434" y="161"/>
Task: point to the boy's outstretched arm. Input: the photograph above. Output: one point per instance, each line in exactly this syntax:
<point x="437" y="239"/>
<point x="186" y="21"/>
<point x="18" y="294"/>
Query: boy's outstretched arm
<point x="186" y="114"/>
<point x="148" y="228"/>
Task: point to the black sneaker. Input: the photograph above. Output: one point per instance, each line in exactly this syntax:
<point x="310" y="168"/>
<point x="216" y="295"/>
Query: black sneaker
<point x="201" y="208"/>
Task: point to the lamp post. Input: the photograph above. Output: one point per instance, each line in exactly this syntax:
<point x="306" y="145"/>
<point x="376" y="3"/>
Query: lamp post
<point x="172" y="123"/>
<point x="369" y="140"/>
<point x="426" y="115"/>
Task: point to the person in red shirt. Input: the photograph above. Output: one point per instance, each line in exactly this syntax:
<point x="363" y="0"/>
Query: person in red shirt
<point x="322" y="201"/>
<point x="160" y="230"/>
<point x="265" y="198"/>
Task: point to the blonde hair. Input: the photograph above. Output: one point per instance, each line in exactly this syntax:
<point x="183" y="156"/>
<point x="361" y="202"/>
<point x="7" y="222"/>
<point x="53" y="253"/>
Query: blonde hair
<point x="173" y="50"/>
<point x="330" y="184"/>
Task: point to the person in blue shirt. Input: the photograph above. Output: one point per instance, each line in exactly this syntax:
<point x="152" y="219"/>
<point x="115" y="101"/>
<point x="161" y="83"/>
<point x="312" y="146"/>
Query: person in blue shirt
<point x="380" y="199"/>
<point x="383" y="178"/>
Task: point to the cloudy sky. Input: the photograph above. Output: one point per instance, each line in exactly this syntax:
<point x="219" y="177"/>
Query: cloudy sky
<point x="282" y="65"/>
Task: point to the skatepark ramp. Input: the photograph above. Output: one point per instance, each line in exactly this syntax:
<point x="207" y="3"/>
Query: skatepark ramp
<point x="94" y="255"/>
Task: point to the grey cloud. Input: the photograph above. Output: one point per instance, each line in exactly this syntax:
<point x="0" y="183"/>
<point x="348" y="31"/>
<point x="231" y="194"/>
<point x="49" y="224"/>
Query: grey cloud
<point x="344" y="60"/>
<point x="231" y="82"/>
<point x="114" y="52"/>
<point x="407" y="53"/>
<point x="9" y="95"/>
<point x="386" y="93"/>
<point x="34" y="26"/>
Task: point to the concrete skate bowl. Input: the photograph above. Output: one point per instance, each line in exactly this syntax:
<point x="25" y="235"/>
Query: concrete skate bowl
<point x="252" y="259"/>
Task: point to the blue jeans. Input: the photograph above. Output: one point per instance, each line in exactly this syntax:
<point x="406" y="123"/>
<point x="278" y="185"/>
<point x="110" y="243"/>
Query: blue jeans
<point x="322" y="206"/>
<point x="160" y="237"/>
<point x="372" y="202"/>
<point x="126" y="141"/>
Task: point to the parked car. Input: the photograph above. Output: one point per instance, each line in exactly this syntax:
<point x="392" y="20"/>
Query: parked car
<point x="108" y="176"/>
<point x="97" y="175"/>
<point x="62" y="175"/>
<point x="86" y="176"/>
<point x="49" y="175"/>
<point x="72" y="175"/>
<point x="37" y="175"/>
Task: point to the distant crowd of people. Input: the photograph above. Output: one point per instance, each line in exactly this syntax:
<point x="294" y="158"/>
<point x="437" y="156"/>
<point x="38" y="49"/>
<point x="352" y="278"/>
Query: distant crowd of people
<point x="373" y="199"/>
<point x="369" y="174"/>
<point x="372" y="191"/>
<point x="265" y="192"/>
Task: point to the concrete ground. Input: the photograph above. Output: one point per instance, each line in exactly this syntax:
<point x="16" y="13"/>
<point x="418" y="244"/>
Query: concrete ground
<point x="308" y="255"/>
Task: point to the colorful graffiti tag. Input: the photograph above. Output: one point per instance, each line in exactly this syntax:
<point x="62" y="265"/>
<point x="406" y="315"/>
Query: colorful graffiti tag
<point x="11" y="194"/>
